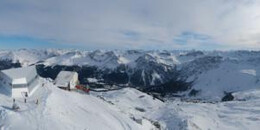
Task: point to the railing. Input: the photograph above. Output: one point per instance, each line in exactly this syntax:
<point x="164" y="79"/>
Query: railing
<point x="19" y="85"/>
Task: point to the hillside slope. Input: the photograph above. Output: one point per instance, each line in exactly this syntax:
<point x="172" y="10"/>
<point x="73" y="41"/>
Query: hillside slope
<point x="241" y="114"/>
<point x="59" y="109"/>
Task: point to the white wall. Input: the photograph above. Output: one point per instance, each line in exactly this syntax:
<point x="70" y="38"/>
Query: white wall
<point x="74" y="81"/>
<point x="17" y="92"/>
<point x="14" y="92"/>
<point x="19" y="81"/>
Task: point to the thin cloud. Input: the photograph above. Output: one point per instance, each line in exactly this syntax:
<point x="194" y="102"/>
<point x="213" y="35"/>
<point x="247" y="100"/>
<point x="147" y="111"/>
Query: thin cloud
<point x="129" y="24"/>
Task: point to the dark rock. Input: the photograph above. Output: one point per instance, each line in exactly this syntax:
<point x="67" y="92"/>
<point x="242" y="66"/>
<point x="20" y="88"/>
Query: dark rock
<point x="194" y="92"/>
<point x="173" y="86"/>
<point x="140" y="109"/>
<point x="8" y="64"/>
<point x="227" y="97"/>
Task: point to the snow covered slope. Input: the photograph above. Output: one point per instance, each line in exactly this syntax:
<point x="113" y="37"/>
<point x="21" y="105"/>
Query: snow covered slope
<point x="63" y="110"/>
<point x="241" y="114"/>
<point x="127" y="109"/>
<point x="28" y="57"/>
<point x="132" y="100"/>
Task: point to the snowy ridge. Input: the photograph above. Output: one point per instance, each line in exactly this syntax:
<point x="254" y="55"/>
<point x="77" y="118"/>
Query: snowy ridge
<point x="243" y="113"/>
<point x="115" y="110"/>
<point x="59" y="109"/>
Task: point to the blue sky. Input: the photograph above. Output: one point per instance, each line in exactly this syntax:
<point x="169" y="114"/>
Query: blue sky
<point x="12" y="42"/>
<point x="130" y="24"/>
<point x="18" y="42"/>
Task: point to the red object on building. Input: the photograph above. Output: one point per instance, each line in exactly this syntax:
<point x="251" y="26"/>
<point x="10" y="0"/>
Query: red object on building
<point x="83" y="88"/>
<point x="79" y="87"/>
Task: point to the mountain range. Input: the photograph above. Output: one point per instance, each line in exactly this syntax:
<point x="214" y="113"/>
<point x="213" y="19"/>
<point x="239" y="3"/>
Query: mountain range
<point x="206" y="75"/>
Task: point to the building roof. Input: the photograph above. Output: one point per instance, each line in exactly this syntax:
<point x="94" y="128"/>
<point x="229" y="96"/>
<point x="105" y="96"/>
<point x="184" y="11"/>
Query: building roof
<point x="25" y="73"/>
<point x="64" y="77"/>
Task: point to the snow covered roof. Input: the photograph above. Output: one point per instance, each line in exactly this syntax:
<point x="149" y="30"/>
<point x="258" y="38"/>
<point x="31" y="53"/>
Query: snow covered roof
<point x="22" y="74"/>
<point x="64" y="77"/>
